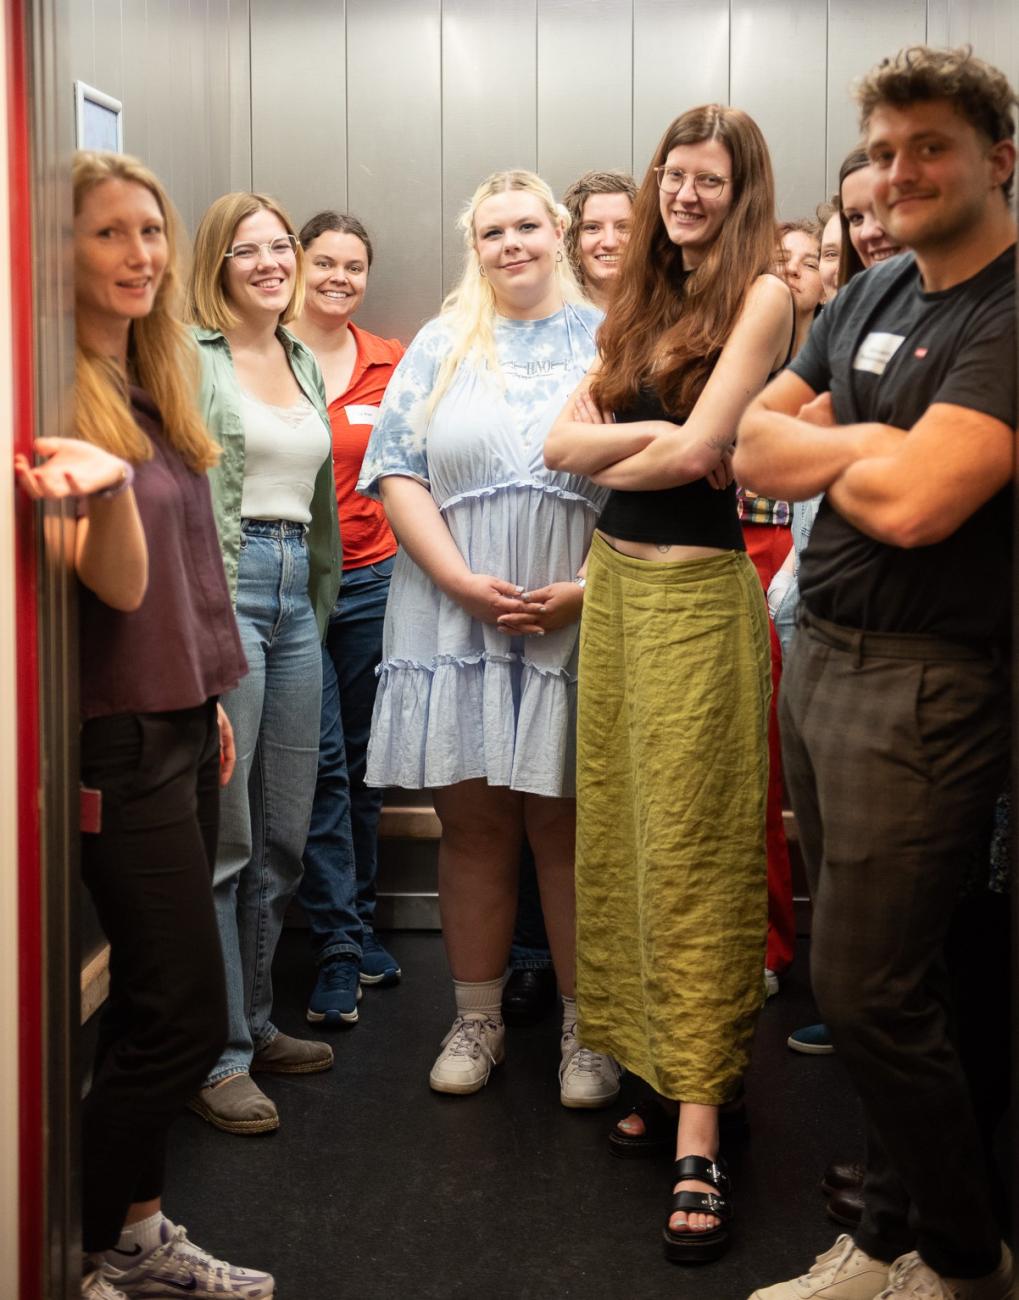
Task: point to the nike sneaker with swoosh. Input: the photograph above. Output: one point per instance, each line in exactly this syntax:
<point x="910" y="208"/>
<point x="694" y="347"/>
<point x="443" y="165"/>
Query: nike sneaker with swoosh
<point x="180" y="1270"/>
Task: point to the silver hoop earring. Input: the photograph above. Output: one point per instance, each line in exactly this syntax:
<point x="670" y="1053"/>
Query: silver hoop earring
<point x="481" y="271"/>
<point x="559" y="255"/>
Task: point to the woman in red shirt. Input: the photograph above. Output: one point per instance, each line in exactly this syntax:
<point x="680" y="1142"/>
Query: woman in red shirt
<point x="338" y="890"/>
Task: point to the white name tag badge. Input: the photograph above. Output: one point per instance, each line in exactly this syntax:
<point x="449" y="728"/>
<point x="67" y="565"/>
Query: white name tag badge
<point x="876" y="351"/>
<point x="361" y="414"/>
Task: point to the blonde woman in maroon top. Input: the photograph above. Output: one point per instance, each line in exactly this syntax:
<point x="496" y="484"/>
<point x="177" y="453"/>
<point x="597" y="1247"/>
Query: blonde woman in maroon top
<point x="156" y="651"/>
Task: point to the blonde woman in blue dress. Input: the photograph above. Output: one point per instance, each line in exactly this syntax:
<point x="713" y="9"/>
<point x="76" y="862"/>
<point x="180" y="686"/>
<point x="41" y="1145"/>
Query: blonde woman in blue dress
<point x="477" y="689"/>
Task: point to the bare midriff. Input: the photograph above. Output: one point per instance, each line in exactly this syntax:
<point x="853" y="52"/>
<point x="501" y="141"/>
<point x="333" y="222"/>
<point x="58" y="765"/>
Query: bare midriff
<point x="664" y="554"/>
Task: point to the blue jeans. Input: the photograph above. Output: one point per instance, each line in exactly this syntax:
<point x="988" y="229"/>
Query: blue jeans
<point x="530" y="942"/>
<point x="340" y="857"/>
<point x="264" y="811"/>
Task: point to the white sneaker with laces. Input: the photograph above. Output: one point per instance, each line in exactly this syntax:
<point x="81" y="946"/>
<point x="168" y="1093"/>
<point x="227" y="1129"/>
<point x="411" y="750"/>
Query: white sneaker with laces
<point x="96" y="1286"/>
<point x="469" y="1051"/>
<point x="179" y="1267"/>
<point x="587" y="1080"/>
<point x="842" y="1273"/>
<point x="912" y="1279"/>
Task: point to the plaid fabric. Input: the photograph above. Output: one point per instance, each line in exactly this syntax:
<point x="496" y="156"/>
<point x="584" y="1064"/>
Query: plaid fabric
<point x="894" y="750"/>
<point x="753" y="509"/>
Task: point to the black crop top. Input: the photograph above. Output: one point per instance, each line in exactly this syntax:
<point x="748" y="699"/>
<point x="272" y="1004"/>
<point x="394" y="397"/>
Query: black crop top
<point x="693" y="514"/>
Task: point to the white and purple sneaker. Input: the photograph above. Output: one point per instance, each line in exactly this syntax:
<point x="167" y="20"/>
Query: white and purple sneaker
<point x="95" y="1285"/>
<point x="178" y="1268"/>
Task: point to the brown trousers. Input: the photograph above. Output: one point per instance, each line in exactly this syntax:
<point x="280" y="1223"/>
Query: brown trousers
<point x="895" y="749"/>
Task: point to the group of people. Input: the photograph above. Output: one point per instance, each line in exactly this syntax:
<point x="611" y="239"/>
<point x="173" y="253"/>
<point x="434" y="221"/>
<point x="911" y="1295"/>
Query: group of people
<point x="545" y="555"/>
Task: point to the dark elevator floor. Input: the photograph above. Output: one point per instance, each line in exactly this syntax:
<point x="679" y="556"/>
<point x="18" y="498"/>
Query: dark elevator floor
<point x="376" y="1187"/>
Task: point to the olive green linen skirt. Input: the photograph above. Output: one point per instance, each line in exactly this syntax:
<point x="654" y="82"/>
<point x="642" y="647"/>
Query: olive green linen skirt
<point x="672" y="773"/>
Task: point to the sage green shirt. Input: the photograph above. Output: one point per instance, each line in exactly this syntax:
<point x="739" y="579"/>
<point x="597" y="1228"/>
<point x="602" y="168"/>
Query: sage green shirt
<point x="221" y="407"/>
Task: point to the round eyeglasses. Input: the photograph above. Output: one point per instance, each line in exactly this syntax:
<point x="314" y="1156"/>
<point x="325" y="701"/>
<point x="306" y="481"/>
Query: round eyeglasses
<point x="282" y="246"/>
<point x="706" y="185"/>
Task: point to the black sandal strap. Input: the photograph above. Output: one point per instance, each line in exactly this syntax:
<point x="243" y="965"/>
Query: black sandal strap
<point x="702" y="1170"/>
<point x="701" y="1203"/>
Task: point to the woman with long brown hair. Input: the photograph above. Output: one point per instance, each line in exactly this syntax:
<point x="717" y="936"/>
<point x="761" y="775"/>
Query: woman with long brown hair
<point x="158" y="645"/>
<point x="674" y="677"/>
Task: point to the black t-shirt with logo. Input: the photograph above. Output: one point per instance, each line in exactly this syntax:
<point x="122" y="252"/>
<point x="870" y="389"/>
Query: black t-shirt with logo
<point x="887" y="351"/>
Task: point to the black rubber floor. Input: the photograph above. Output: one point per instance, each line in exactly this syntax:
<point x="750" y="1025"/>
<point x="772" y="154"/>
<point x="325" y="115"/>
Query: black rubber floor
<point x="376" y="1187"/>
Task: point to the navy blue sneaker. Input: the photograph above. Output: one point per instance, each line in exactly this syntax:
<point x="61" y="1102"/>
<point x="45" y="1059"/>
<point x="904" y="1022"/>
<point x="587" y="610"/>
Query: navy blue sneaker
<point x="337" y="993"/>
<point x="377" y="965"/>
<point x="812" y="1040"/>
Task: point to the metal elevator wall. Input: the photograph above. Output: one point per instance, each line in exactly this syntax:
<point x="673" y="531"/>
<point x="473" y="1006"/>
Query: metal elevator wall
<point x="395" y="109"/>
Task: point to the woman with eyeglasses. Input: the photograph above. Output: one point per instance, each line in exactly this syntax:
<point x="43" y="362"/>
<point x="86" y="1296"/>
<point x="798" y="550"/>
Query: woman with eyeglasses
<point x="672" y="760"/>
<point x="477" y="686"/>
<point x="275" y="501"/>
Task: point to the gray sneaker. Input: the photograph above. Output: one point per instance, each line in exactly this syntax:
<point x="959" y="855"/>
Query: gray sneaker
<point x="179" y="1267"/>
<point x="843" y="1272"/>
<point x="912" y="1279"/>
<point x="95" y="1285"/>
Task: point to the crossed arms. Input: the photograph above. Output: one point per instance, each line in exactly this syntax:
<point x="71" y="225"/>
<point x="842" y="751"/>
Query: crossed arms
<point x="906" y="487"/>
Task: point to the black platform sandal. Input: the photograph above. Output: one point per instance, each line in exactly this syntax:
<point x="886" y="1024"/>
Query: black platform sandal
<point x="659" y="1133"/>
<point x="660" y="1130"/>
<point x="699" y="1247"/>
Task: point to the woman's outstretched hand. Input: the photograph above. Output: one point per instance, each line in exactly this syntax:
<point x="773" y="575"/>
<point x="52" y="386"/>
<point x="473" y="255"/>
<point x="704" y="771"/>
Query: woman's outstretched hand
<point x="71" y="468"/>
<point x="489" y="599"/>
<point x="557" y="605"/>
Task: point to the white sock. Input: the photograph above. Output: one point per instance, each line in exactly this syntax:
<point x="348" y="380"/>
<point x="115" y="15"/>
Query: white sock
<point x="137" y="1241"/>
<point x="483" y="998"/>
<point x="569" y="1015"/>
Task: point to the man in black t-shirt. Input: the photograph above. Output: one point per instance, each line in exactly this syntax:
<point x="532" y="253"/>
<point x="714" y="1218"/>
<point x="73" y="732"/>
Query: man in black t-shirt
<point x="901" y="408"/>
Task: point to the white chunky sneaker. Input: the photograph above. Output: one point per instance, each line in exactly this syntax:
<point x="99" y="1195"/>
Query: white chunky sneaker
<point x="469" y="1051"/>
<point x="912" y="1279"/>
<point x="179" y="1267"/>
<point x="96" y="1285"/>
<point x="842" y="1273"/>
<point x="587" y="1080"/>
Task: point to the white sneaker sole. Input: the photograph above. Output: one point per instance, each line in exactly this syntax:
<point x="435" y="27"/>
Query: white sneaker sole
<point x="331" y="1017"/>
<point x="588" y="1103"/>
<point x="456" y="1089"/>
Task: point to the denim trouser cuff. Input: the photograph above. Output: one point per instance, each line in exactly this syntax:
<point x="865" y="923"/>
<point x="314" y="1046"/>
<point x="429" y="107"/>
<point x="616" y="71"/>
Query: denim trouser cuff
<point x="522" y="958"/>
<point x="332" y="950"/>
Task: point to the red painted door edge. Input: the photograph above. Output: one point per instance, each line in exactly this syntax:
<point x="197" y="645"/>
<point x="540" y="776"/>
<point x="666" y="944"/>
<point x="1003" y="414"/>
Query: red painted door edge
<point x="31" y="1153"/>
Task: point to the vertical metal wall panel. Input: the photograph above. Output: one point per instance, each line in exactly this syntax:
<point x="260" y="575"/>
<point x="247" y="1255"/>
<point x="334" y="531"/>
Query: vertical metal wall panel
<point x="176" y="104"/>
<point x="139" y="86"/>
<point x="203" y="142"/>
<point x="991" y="27"/>
<point x="108" y="44"/>
<point x="680" y="60"/>
<point x="394" y="155"/>
<point x="860" y="34"/>
<point x="489" y="111"/>
<point x="778" y="76"/>
<point x="81" y="39"/>
<point x="216" y="97"/>
<point x="156" y="88"/>
<point x="585" y="88"/>
<point x="298" y="104"/>
<point x="937" y="22"/>
<point x="239" y="93"/>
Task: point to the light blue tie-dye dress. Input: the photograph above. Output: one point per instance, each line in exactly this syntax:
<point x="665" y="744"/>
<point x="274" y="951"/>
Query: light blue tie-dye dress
<point x="458" y="698"/>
